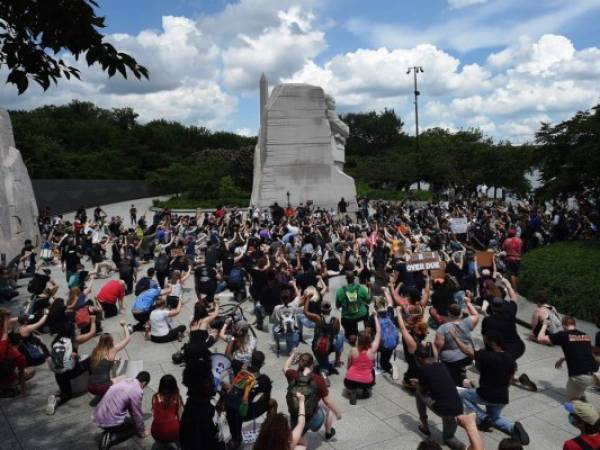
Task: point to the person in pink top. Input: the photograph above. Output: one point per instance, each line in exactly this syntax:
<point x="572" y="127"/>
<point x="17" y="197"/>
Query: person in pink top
<point x="513" y="246"/>
<point x="360" y="376"/>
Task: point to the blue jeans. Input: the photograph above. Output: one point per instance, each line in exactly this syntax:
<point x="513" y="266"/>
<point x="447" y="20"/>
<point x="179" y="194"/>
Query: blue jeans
<point x="303" y="322"/>
<point x="472" y="400"/>
<point x="291" y="339"/>
<point x="313" y="423"/>
<point x="260" y="313"/>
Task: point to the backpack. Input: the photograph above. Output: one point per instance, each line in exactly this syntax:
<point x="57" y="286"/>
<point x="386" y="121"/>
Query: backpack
<point x="238" y="398"/>
<point x="287" y="320"/>
<point x="555" y="324"/>
<point x="142" y="285"/>
<point x="82" y="317"/>
<point x="353" y="303"/>
<point x="389" y="333"/>
<point x="61" y="356"/>
<point x="162" y="263"/>
<point x="305" y="384"/>
<point x="323" y="338"/>
<point x="38" y="283"/>
<point x="235" y="277"/>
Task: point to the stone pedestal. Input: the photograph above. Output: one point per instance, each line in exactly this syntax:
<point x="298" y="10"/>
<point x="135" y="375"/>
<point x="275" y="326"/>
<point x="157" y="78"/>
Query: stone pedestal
<point x="18" y="209"/>
<point x="300" y="150"/>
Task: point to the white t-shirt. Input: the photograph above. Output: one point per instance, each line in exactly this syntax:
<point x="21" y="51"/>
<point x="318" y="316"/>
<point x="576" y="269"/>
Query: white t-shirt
<point x="159" y="325"/>
<point x="176" y="290"/>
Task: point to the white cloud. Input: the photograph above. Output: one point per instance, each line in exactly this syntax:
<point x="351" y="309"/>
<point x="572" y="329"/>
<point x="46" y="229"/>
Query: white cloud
<point x="279" y="51"/>
<point x="457" y="4"/>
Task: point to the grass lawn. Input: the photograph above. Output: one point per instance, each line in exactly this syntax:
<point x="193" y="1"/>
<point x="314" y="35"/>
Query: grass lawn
<point x="570" y="271"/>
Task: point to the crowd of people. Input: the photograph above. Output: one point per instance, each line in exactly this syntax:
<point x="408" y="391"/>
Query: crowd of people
<point x="390" y="278"/>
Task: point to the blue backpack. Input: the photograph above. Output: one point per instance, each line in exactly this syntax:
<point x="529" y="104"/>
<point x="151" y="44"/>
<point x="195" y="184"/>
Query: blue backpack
<point x="389" y="333"/>
<point x="236" y="277"/>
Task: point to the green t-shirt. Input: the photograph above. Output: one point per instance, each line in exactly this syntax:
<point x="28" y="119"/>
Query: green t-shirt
<point x="353" y="299"/>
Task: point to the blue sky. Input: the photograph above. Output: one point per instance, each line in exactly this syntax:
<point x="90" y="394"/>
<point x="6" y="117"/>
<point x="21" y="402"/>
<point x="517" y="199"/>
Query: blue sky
<point x="500" y="65"/>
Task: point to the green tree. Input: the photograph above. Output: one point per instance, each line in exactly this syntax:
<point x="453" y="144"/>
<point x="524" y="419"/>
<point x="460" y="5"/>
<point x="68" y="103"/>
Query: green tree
<point x="34" y="34"/>
<point x="568" y="155"/>
<point x="372" y="132"/>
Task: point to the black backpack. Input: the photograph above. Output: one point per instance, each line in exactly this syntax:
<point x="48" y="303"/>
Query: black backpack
<point x="305" y="384"/>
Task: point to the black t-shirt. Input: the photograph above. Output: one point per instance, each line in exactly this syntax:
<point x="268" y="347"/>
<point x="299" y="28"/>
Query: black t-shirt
<point x="436" y="381"/>
<point x="505" y="323"/>
<point x="577" y="347"/>
<point x="198" y="429"/>
<point x="270" y="297"/>
<point x="496" y="370"/>
<point x="71" y="259"/>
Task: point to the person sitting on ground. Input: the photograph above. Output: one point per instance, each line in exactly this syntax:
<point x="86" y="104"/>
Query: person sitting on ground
<point x="167" y="408"/>
<point x="143" y="306"/>
<point x="586" y="419"/>
<point x="496" y="368"/>
<point x="544" y="311"/>
<point x="503" y="319"/>
<point x="102" y="360"/>
<point x="112" y="413"/>
<point x="327" y="338"/>
<point x="352" y="300"/>
<point x="389" y="332"/>
<point x="248" y="398"/>
<point x="197" y="428"/>
<point x="11" y="359"/>
<point x="242" y="344"/>
<point x="111" y="294"/>
<point x="577" y="349"/>
<point x="29" y="344"/>
<point x="275" y="432"/>
<point x="285" y="321"/>
<point x="314" y="389"/>
<point x="176" y="282"/>
<point x="455" y="360"/>
<point x="436" y="390"/>
<point x="65" y="361"/>
<point x="360" y="376"/>
<point x="160" y="328"/>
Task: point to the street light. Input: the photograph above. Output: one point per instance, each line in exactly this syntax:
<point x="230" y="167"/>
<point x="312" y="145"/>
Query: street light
<point x="415" y="70"/>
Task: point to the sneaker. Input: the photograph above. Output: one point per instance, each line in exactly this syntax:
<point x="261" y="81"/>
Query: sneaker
<point x="525" y="381"/>
<point x="353" y="397"/>
<point x="377" y="371"/>
<point x="485" y="425"/>
<point x="104" y="441"/>
<point x="520" y="434"/>
<point x="329" y="435"/>
<point x="130" y="328"/>
<point x="51" y="406"/>
<point x="395" y="372"/>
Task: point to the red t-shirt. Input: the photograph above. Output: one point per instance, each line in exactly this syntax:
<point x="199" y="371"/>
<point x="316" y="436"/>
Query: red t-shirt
<point x="512" y="247"/>
<point x="292" y="374"/>
<point x="112" y="291"/>
<point x="8" y="352"/>
<point x="592" y="440"/>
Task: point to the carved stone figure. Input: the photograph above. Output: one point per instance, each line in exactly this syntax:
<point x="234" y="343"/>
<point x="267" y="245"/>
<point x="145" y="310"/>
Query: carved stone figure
<point x="18" y="209"/>
<point x="300" y="149"/>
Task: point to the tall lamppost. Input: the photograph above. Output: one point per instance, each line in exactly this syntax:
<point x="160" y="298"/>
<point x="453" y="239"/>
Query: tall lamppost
<point x="416" y="70"/>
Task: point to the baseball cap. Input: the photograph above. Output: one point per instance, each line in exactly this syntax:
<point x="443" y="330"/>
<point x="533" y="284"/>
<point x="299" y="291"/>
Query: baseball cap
<point x="584" y="411"/>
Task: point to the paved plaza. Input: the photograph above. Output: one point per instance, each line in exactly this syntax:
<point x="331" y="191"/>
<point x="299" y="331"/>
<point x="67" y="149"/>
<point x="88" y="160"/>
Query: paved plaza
<point x="386" y="421"/>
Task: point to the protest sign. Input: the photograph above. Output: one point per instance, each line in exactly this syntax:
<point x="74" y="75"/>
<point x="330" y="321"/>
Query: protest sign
<point x="459" y="225"/>
<point x="484" y="259"/>
<point x="423" y="261"/>
<point x="439" y="273"/>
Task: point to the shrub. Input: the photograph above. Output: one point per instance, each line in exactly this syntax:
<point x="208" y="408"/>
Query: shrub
<point x="570" y="271"/>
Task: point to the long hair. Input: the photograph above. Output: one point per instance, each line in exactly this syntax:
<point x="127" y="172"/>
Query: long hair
<point x="364" y="340"/>
<point x="100" y="352"/>
<point x="274" y="433"/>
<point x="168" y="390"/>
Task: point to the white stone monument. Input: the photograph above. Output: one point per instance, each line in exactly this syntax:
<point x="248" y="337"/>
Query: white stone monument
<point x="18" y="209"/>
<point x="300" y="149"/>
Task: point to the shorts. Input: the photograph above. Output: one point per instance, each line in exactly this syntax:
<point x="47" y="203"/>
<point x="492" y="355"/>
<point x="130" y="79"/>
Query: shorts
<point x="313" y="423"/>
<point x="512" y="267"/>
<point x="577" y="385"/>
